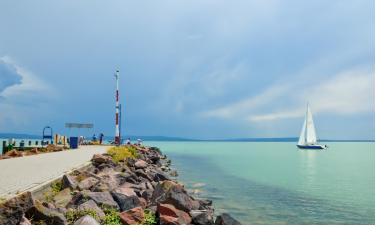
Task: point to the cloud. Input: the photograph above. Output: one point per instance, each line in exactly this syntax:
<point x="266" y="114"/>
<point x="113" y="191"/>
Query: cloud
<point x="23" y="94"/>
<point x="347" y="93"/>
<point x="8" y="75"/>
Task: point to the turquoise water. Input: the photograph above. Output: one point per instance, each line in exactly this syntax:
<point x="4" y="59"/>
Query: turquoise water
<point x="274" y="183"/>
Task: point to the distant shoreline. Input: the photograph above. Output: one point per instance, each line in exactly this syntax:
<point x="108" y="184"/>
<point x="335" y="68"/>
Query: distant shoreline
<point x="178" y="139"/>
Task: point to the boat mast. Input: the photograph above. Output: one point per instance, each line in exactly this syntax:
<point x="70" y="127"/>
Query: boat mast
<point x="306" y="122"/>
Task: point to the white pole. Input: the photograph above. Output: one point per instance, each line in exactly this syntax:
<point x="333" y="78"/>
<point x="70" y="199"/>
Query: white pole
<point x="117" y="135"/>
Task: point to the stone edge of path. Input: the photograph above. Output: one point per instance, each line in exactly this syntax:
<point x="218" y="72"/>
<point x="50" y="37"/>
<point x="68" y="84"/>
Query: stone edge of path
<point x="38" y="188"/>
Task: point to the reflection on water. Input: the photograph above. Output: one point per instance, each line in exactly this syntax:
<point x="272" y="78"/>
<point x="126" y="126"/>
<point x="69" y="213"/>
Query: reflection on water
<point x="260" y="183"/>
<point x="308" y="166"/>
<point x="255" y="203"/>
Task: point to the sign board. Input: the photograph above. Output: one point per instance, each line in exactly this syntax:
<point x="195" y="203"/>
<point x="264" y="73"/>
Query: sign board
<point x="79" y="125"/>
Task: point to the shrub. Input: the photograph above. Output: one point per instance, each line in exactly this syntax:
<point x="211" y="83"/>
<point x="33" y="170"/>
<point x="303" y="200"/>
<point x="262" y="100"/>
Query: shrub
<point x="122" y="152"/>
<point x="150" y="218"/>
<point x="73" y="215"/>
<point x="111" y="217"/>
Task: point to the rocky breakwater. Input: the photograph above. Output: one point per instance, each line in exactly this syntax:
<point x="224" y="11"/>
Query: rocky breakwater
<point x="129" y="185"/>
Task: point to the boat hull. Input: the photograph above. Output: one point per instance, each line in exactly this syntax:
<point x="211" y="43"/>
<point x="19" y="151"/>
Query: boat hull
<point x="312" y="147"/>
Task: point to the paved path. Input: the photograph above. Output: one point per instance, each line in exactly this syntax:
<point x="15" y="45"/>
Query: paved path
<point x="24" y="173"/>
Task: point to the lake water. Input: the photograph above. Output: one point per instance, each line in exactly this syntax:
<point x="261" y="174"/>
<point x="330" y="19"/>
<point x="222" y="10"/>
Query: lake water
<point x="275" y="183"/>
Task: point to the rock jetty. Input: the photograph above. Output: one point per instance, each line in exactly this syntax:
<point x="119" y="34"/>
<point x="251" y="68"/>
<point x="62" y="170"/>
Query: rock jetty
<point x="133" y="190"/>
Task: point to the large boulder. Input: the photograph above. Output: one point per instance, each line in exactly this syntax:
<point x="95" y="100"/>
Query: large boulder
<point x="108" y="182"/>
<point x="98" y="159"/>
<point x="169" y="192"/>
<point x="202" y="217"/>
<point x="169" y="215"/>
<point x="125" y="191"/>
<point x="91" y="205"/>
<point x="25" y="221"/>
<point x="226" y="219"/>
<point x="126" y="202"/>
<point x="62" y="198"/>
<point x="12" y="211"/>
<point x="132" y="216"/>
<point x="86" y="220"/>
<point x="140" y="164"/>
<point x="68" y="182"/>
<point x="41" y="213"/>
<point x="87" y="183"/>
<point x="104" y="199"/>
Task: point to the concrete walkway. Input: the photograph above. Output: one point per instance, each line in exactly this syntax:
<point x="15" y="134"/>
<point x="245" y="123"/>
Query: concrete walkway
<point x="25" y="173"/>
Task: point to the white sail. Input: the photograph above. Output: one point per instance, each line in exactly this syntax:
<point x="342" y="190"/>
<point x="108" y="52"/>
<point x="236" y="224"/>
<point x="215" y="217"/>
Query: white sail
<point x="302" y="137"/>
<point x="310" y="128"/>
<point x="308" y="133"/>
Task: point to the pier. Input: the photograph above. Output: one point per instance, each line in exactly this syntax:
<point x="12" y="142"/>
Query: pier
<point x="27" y="173"/>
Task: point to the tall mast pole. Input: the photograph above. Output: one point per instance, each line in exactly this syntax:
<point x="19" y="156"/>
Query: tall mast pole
<point x="117" y="135"/>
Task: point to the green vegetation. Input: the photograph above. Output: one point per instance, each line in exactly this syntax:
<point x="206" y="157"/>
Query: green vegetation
<point x="73" y="215"/>
<point x="41" y="222"/>
<point x="122" y="152"/>
<point x="111" y="217"/>
<point x="150" y="218"/>
<point x="56" y="187"/>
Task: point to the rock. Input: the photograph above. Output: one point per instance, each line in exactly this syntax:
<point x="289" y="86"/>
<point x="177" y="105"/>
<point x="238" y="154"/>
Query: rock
<point x="226" y="219"/>
<point x="12" y="211"/>
<point x="87" y="183"/>
<point x="160" y="176"/>
<point x="25" y="221"/>
<point x="98" y="159"/>
<point x="132" y="216"/>
<point x="142" y="174"/>
<point x="13" y="153"/>
<point x="62" y="198"/>
<point x="130" y="162"/>
<point x="205" y="204"/>
<point x="41" y="213"/>
<point x="173" y="173"/>
<point x="34" y="151"/>
<point x="168" y="215"/>
<point x="143" y="202"/>
<point x="68" y="182"/>
<point x="161" y="189"/>
<point x="125" y="191"/>
<point x="107" y="183"/>
<point x="171" y="193"/>
<point x="91" y="205"/>
<point x="104" y="199"/>
<point x="86" y="220"/>
<point x="147" y="194"/>
<point x="202" y="217"/>
<point x="126" y="202"/>
<point x="140" y="164"/>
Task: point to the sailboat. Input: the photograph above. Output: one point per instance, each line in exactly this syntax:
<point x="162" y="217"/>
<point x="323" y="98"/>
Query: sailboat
<point x="307" y="139"/>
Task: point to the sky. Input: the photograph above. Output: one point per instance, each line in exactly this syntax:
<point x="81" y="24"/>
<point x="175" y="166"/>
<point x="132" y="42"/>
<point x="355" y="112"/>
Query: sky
<point x="189" y="68"/>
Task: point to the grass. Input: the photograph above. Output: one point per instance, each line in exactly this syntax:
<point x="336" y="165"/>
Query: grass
<point x="73" y="215"/>
<point x="111" y="217"/>
<point x="56" y="187"/>
<point x="150" y="218"/>
<point x="122" y="152"/>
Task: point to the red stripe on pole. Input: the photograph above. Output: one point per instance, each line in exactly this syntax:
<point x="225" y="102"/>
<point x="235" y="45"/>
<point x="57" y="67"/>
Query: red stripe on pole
<point x="116" y="118"/>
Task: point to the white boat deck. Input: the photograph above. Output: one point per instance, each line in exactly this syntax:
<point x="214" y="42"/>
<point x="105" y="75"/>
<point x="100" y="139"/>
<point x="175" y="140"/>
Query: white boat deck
<point x="29" y="172"/>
